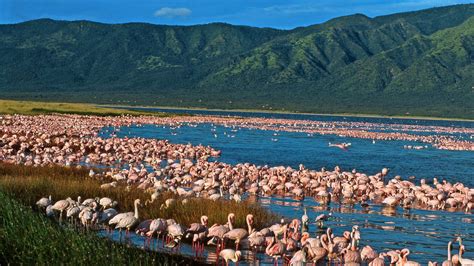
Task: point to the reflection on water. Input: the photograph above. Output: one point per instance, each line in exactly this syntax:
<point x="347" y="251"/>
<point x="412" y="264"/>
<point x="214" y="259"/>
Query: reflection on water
<point x="424" y="232"/>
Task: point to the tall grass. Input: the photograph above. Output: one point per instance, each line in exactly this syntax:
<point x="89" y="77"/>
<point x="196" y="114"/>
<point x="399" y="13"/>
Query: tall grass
<point x="28" y="238"/>
<point x="28" y="184"/>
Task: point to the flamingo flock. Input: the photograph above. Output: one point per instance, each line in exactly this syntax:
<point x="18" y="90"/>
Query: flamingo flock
<point x="185" y="169"/>
<point x="156" y="166"/>
<point x="283" y="241"/>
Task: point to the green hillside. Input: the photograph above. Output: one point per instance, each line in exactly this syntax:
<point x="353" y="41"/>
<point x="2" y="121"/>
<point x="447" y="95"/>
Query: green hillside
<point x="418" y="63"/>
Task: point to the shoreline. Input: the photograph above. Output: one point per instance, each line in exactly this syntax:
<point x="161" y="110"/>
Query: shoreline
<point x="429" y="118"/>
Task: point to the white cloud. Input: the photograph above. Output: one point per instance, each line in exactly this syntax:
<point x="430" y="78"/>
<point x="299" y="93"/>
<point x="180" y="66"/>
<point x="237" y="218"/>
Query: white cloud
<point x="173" y="12"/>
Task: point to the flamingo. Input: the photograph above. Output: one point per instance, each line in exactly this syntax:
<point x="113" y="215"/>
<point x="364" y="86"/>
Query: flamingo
<point x="197" y="229"/>
<point x="230" y="254"/>
<point x="275" y="249"/>
<point x="175" y="233"/>
<point x="304" y="221"/>
<point x="390" y="201"/>
<point x="448" y="262"/>
<point x="256" y="239"/>
<point x="86" y="215"/>
<point x="105" y="216"/>
<point x="307" y="240"/>
<point x="217" y="232"/>
<point x="463" y="261"/>
<point x="106" y="202"/>
<point x="49" y="211"/>
<point x="351" y="254"/>
<point x="238" y="234"/>
<point x="157" y="226"/>
<point x="340" y="243"/>
<point x="128" y="221"/>
<point x="385" y="171"/>
<point x="89" y="201"/>
<point x="167" y="204"/>
<point x="153" y="197"/>
<point x="72" y="212"/>
<point x="321" y="218"/>
<point x="317" y="253"/>
<point x="379" y="261"/>
<point x="143" y="227"/>
<point x="61" y="206"/>
<point x="368" y="253"/>
<point x="43" y="202"/>
<point x="404" y="258"/>
<point x="299" y="258"/>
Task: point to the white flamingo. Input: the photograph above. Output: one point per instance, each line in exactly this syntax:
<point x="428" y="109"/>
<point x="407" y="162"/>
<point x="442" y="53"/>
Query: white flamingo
<point x="230" y="254"/>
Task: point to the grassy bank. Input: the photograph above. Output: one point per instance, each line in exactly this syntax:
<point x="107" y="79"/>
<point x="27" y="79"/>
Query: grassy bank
<point x="28" y="184"/>
<point x="41" y="108"/>
<point x="28" y="238"/>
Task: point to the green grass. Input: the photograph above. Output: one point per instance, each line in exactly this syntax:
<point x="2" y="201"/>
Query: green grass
<point x="28" y="238"/>
<point x="42" y="108"/>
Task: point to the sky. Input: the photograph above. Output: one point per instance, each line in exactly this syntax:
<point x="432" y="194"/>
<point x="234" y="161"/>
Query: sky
<point x="282" y="14"/>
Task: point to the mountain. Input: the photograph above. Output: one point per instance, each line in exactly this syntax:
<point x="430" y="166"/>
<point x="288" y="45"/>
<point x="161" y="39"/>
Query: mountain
<point x="418" y="63"/>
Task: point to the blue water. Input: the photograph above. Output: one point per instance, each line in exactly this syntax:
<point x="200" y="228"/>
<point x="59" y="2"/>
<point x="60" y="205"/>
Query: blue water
<point x="424" y="232"/>
<point x="293" y="148"/>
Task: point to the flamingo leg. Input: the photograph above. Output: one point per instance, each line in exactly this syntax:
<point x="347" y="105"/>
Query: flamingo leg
<point x="218" y="246"/>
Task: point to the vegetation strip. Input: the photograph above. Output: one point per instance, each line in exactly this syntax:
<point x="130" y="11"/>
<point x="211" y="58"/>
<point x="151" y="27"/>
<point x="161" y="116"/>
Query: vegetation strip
<point x="28" y="184"/>
<point x="28" y="238"/>
<point x="45" y="108"/>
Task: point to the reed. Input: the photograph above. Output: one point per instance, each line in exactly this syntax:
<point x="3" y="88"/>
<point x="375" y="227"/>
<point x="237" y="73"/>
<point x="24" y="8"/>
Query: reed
<point x="28" y="184"/>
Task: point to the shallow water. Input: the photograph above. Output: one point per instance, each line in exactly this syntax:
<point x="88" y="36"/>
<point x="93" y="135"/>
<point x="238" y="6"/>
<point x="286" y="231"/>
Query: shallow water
<point x="426" y="233"/>
<point x="292" y="148"/>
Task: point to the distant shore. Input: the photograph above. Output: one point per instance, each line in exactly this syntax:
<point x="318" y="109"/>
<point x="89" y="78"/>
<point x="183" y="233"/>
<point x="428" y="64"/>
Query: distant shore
<point x="288" y="112"/>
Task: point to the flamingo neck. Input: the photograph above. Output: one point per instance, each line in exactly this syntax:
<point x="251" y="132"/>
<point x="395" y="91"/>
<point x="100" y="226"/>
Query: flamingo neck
<point x="136" y="210"/>
<point x="449" y="251"/>
<point x="249" y="227"/>
<point x="269" y="247"/>
<point x="324" y="244"/>
<point x="353" y="242"/>
<point x="235" y="258"/>
<point x="229" y="221"/>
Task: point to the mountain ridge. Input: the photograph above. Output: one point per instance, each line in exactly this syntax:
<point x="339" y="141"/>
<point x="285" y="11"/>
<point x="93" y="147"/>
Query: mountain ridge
<point x="418" y="62"/>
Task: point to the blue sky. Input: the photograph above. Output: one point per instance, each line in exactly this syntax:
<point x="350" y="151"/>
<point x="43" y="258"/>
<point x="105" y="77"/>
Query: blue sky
<point x="283" y="14"/>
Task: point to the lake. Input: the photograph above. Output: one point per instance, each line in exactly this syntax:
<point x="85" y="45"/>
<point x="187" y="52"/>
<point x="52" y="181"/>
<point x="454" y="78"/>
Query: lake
<point x="424" y="232"/>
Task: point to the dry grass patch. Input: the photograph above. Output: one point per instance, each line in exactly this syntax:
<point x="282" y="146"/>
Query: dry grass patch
<point x="28" y="184"/>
